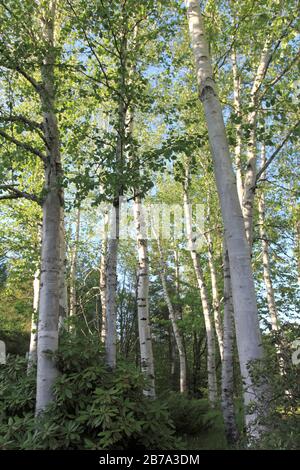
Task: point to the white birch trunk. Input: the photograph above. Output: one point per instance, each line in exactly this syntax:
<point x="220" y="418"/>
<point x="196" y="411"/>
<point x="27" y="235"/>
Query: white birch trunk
<point x="215" y="294"/>
<point x="238" y="134"/>
<point x="111" y="288"/>
<point x="63" y="288"/>
<point x="147" y="362"/>
<point x="211" y="353"/>
<point x="295" y="213"/>
<point x="73" y="267"/>
<point x="112" y="249"/>
<point x="265" y="255"/>
<point x="250" y="176"/>
<point x="297" y="244"/>
<point x="144" y="326"/>
<point x="243" y="291"/>
<point x="177" y="284"/>
<point x="32" y="354"/>
<point x="50" y="257"/>
<point x="172" y="316"/>
<point x="103" y="284"/>
<point x="172" y="350"/>
<point x="227" y="363"/>
<point x="113" y="241"/>
<point x="178" y="337"/>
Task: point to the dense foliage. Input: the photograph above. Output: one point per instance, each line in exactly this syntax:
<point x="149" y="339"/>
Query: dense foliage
<point x="94" y="408"/>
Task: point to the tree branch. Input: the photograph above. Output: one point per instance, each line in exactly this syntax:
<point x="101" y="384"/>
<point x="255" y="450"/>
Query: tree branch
<point x="271" y="158"/>
<point x="8" y="64"/>
<point x="93" y="51"/>
<point x="25" y="120"/>
<point x="280" y="75"/>
<point x="16" y="193"/>
<point x="267" y="56"/>
<point x="30" y="79"/>
<point x="33" y="125"/>
<point x="23" y="145"/>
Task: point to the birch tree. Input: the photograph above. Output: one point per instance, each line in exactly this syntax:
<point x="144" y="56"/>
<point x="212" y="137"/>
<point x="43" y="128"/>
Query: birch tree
<point x="215" y="292"/>
<point x="32" y="354"/>
<point x="250" y="176"/>
<point x="249" y="101"/>
<point x="243" y="291"/>
<point x="102" y="279"/>
<point x="210" y="335"/>
<point x="227" y="396"/>
<point x="42" y="39"/>
<point x="265" y="253"/>
<point x="172" y="317"/>
<point x="73" y="266"/>
<point x="63" y="288"/>
<point x="52" y="208"/>
<point x="147" y="362"/>
<point x="238" y="129"/>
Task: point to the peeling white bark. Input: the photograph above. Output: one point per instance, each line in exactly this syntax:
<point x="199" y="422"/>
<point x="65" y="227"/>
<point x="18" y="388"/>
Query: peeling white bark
<point x="111" y="289"/>
<point x="113" y="241"/>
<point x="32" y="354"/>
<point x="227" y="363"/>
<point x="215" y="294"/>
<point x="147" y="362"/>
<point x="297" y="243"/>
<point x="243" y="291"/>
<point x="250" y="176"/>
<point x="103" y="284"/>
<point x="238" y="134"/>
<point x="73" y="266"/>
<point x="63" y="288"/>
<point x="50" y="257"/>
<point x="265" y="254"/>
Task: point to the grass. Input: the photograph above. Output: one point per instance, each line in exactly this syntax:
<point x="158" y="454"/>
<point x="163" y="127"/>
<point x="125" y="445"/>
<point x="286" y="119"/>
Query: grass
<point x="212" y="438"/>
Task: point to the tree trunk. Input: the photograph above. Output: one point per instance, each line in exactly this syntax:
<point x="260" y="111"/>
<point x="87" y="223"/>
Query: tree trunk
<point x="73" y="267"/>
<point x="297" y="240"/>
<point x="111" y="288"/>
<point x="265" y="254"/>
<point x="243" y="291"/>
<point x="147" y="362"/>
<point x="32" y="354"/>
<point x="113" y="241"/>
<point x="172" y="353"/>
<point x="215" y="294"/>
<point x="172" y="317"/>
<point x="103" y="284"/>
<point x="52" y="206"/>
<point x="227" y="363"/>
<point x="250" y="176"/>
<point x="238" y="134"/>
<point x="63" y="288"/>
<point x="145" y="340"/>
<point x="178" y="308"/>
<point x="211" y="359"/>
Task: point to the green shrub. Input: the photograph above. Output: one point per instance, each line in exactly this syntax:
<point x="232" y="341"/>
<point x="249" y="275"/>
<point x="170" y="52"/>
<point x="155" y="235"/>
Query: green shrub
<point x="189" y="415"/>
<point x="282" y="418"/>
<point x="94" y="408"/>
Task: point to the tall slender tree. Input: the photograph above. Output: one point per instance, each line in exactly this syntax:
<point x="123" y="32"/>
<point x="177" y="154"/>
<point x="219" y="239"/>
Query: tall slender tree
<point x="147" y="361"/>
<point x="52" y="210"/>
<point x="210" y="333"/>
<point x="243" y="291"/>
